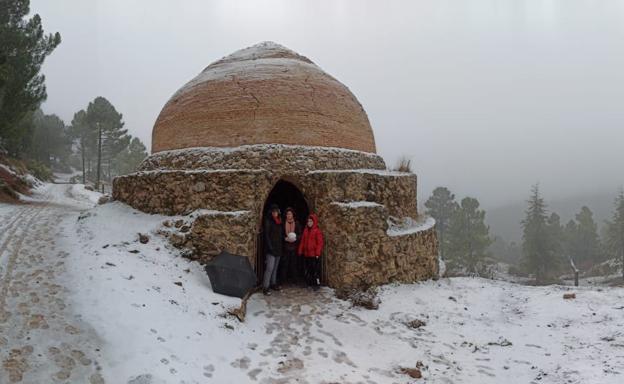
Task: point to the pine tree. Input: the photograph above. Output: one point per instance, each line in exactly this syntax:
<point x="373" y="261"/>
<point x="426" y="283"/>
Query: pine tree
<point x="537" y="246"/>
<point x="23" y="48"/>
<point x="129" y="159"/>
<point x="555" y="234"/>
<point x="468" y="238"/>
<point x="588" y="242"/>
<point x="84" y="135"/>
<point x="50" y="142"/>
<point x="441" y="206"/>
<point x="571" y="241"/>
<point x="111" y="138"/>
<point x="615" y="230"/>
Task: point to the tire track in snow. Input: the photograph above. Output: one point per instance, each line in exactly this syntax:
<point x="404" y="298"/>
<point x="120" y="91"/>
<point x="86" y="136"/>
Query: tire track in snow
<point x="9" y="231"/>
<point x="28" y="217"/>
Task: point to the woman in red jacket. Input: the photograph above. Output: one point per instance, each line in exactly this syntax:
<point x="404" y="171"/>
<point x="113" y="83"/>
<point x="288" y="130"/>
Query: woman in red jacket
<point x="311" y="247"/>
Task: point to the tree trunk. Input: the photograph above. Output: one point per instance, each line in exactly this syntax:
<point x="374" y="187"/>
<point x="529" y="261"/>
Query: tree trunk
<point x="82" y="151"/>
<point x="99" y="159"/>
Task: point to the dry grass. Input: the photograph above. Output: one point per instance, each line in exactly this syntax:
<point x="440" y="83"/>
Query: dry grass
<point x="404" y="164"/>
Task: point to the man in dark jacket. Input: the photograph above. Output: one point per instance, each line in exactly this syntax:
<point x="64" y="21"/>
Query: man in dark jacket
<point x="273" y="239"/>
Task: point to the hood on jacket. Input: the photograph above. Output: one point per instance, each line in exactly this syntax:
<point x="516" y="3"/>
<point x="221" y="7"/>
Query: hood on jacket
<point x="314" y="220"/>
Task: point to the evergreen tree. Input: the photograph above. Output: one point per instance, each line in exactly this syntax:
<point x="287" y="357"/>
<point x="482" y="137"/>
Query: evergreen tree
<point x="83" y="134"/>
<point x="555" y="234"/>
<point x="537" y="246"/>
<point x="441" y="206"/>
<point x="23" y="48"/>
<point x="588" y="245"/>
<point x="571" y="241"/>
<point x="468" y="238"/>
<point x="129" y="159"/>
<point x="615" y="230"/>
<point x="50" y="142"/>
<point x="111" y="138"/>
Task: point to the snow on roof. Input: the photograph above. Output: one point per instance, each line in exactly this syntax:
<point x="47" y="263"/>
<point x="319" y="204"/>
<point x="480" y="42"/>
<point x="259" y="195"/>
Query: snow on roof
<point x="357" y="204"/>
<point x="194" y="171"/>
<point x="260" y="69"/>
<point x="381" y="172"/>
<point x="211" y="150"/>
<point x="262" y="50"/>
<point x="211" y="212"/>
<point x="409" y="226"/>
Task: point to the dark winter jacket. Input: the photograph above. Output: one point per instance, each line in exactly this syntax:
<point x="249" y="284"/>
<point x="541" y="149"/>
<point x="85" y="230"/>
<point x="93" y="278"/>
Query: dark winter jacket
<point x="273" y="237"/>
<point x="311" y="244"/>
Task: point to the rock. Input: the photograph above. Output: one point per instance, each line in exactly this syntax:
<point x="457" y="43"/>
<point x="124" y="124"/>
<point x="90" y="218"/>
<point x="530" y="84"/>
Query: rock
<point x="569" y="296"/>
<point x="88" y="188"/>
<point x="176" y="240"/>
<point x="199" y="187"/>
<point x="143" y="238"/>
<point x="104" y="199"/>
<point x="416" y="323"/>
<point x="414" y="373"/>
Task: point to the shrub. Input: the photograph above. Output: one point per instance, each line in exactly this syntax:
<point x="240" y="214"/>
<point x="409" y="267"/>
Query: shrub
<point x="39" y="170"/>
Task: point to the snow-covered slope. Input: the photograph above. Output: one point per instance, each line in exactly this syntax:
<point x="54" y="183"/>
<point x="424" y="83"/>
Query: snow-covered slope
<point x="163" y="324"/>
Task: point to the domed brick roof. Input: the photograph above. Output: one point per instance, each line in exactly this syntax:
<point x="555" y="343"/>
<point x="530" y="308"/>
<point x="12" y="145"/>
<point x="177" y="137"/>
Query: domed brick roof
<point x="264" y="94"/>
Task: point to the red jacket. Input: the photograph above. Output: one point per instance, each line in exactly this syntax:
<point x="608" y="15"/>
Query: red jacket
<point x="311" y="244"/>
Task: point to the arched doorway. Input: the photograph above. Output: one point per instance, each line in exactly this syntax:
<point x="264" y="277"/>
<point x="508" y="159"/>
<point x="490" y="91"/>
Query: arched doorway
<point x="285" y="194"/>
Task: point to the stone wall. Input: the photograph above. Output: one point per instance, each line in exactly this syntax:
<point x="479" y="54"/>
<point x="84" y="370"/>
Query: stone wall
<point x="359" y="252"/>
<point x="395" y="190"/>
<point x="181" y="192"/>
<point x="212" y="233"/>
<point x="275" y="157"/>
<point x="354" y="207"/>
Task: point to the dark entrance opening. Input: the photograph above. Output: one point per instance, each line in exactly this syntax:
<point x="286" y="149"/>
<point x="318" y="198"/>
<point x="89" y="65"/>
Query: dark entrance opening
<point x="284" y="194"/>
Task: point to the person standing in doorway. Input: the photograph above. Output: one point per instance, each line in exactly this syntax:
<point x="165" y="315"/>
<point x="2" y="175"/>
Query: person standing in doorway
<point x="273" y="238"/>
<point x="292" y="232"/>
<point x="311" y="247"/>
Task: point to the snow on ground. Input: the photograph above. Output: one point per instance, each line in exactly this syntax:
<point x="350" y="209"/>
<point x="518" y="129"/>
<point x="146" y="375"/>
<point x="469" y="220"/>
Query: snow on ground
<point x="74" y="195"/>
<point x="162" y="323"/>
<point x="147" y="315"/>
<point x="61" y="177"/>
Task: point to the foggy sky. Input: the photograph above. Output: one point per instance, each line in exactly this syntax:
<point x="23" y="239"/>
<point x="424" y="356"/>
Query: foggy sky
<point x="486" y="97"/>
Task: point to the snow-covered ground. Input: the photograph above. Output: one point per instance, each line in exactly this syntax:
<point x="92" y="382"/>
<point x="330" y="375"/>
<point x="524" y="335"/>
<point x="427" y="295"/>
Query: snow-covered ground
<point x="153" y="318"/>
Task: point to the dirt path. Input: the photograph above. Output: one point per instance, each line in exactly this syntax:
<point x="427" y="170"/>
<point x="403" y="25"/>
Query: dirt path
<point x="41" y="339"/>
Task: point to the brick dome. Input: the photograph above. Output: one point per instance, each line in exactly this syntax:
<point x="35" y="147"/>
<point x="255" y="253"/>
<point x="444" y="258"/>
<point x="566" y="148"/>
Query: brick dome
<point x="264" y="94"/>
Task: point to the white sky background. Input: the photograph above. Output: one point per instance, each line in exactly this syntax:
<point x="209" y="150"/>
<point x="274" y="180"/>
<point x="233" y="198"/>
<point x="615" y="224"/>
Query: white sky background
<point x="486" y="96"/>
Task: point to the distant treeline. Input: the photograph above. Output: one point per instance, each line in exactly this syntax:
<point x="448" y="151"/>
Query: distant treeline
<point x="95" y="142"/>
<point x="548" y="248"/>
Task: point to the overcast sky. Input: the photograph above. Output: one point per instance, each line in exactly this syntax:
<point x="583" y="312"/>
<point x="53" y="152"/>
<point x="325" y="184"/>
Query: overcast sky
<point x="485" y="96"/>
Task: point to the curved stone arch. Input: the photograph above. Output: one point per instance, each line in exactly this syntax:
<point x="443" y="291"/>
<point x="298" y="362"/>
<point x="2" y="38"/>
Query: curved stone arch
<point x="293" y="179"/>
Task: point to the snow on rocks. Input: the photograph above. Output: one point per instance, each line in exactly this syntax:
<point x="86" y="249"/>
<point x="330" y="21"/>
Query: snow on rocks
<point x="357" y="204"/>
<point x="408" y="225"/>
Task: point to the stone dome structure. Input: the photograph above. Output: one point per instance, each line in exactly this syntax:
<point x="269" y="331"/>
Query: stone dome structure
<point x="266" y="126"/>
<point x="265" y="94"/>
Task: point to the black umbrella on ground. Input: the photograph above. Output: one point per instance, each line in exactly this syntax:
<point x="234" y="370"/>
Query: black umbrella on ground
<point x="231" y="275"/>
